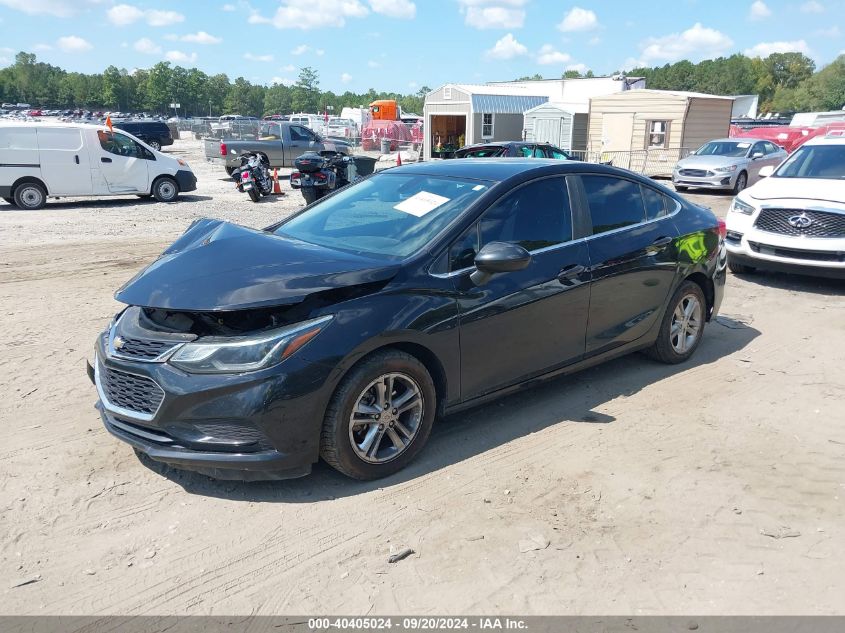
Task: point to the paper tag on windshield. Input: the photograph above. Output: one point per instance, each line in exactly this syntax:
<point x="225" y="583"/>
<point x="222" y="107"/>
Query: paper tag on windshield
<point x="421" y="203"/>
<point x="743" y="145"/>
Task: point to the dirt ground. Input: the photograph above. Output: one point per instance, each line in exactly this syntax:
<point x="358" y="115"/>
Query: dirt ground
<point x="715" y="487"/>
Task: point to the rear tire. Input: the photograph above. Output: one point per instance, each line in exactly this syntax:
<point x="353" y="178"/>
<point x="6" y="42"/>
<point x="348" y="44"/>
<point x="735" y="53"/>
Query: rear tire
<point x="254" y="195"/>
<point x="231" y="171"/>
<point x="740" y="269"/>
<point x="310" y="194"/>
<point x="155" y="145"/>
<point x="165" y="189"/>
<point x="682" y="326"/>
<point x="362" y="446"/>
<point x="30" y="196"/>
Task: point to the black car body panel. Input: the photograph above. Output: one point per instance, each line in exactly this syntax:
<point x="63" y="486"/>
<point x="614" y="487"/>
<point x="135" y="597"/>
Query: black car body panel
<point x="148" y="131"/>
<point x="576" y="304"/>
<point x="512" y="149"/>
<point x="186" y="180"/>
<point x="222" y="266"/>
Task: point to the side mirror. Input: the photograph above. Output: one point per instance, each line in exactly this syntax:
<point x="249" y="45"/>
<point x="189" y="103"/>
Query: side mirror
<point x="757" y="155"/>
<point x="499" y="257"/>
<point x="767" y="171"/>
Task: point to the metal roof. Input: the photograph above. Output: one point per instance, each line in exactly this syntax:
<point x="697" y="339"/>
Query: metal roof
<point x="505" y="104"/>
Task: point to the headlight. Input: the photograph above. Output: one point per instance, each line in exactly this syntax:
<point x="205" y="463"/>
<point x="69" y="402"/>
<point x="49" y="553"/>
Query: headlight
<point x="212" y="355"/>
<point x="739" y="206"/>
<point x="725" y="170"/>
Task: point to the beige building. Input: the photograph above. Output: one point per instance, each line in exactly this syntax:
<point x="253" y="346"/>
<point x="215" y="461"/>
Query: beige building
<point x="657" y="119"/>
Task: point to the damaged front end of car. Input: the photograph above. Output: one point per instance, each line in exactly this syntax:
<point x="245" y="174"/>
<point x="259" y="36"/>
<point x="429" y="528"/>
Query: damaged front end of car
<point x="202" y="371"/>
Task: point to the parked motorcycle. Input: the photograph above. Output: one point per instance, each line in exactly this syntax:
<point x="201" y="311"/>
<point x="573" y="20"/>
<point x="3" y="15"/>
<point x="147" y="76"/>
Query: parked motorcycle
<point x="253" y="175"/>
<point x="318" y="175"/>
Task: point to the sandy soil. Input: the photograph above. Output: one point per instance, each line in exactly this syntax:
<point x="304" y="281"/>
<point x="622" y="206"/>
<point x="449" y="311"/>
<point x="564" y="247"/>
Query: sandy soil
<point x="633" y="488"/>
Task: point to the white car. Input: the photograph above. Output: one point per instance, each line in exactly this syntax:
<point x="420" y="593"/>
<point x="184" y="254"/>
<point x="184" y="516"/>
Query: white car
<point x="793" y="220"/>
<point x="40" y="160"/>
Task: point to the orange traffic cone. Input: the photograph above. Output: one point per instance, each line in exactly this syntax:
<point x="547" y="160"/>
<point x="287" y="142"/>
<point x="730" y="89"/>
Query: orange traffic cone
<point x="398" y="159"/>
<point x="277" y="188"/>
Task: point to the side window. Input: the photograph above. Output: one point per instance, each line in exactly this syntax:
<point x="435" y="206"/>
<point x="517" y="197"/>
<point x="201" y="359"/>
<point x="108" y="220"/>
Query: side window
<point x="526" y="151"/>
<point x="771" y="148"/>
<point x="534" y="216"/>
<point x="656" y="204"/>
<point x="557" y="154"/>
<point x="463" y="251"/>
<point x="539" y="152"/>
<point x="614" y="202"/>
<point x="118" y="144"/>
<point x="298" y="133"/>
<point x="759" y="148"/>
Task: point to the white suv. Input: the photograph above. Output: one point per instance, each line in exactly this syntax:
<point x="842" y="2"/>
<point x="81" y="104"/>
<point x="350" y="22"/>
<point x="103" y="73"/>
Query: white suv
<point x="793" y="220"/>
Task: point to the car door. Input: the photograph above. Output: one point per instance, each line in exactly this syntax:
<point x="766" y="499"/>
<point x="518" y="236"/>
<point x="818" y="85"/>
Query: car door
<point x="774" y="155"/>
<point x="633" y="258"/>
<point x="301" y="140"/>
<point x="757" y="160"/>
<point x="525" y="323"/>
<point x="65" y="165"/>
<point x="121" y="162"/>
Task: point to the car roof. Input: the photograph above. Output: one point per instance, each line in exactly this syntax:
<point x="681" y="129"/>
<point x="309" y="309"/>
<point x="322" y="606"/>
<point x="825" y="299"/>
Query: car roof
<point x="500" y="169"/>
<point x="830" y="139"/>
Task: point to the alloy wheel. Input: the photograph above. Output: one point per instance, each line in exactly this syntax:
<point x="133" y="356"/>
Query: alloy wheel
<point x="386" y="418"/>
<point x="686" y="324"/>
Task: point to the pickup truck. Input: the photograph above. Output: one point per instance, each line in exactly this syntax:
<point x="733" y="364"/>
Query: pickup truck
<point x="280" y="141"/>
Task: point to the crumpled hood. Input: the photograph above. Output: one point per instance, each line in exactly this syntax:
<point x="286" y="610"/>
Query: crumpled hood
<point x="216" y="265"/>
<point x="820" y="189"/>
<point x="710" y="162"/>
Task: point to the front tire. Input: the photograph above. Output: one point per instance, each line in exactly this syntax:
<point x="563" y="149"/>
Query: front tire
<point x="740" y="269"/>
<point x="682" y="326"/>
<point x="380" y="416"/>
<point x="30" y="196"/>
<point x="165" y="189"/>
<point x="254" y="195"/>
<point x="741" y="183"/>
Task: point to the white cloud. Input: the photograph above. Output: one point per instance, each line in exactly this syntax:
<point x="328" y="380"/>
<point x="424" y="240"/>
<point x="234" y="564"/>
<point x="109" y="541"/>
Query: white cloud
<point x="315" y="14"/>
<point x="581" y="68"/>
<point x="578" y="19"/>
<point x="506" y="48"/>
<point x="301" y="49"/>
<point x="833" y="31"/>
<point x="764" y="49"/>
<point x="73" y="44"/>
<point x="493" y="14"/>
<point x="402" y="9"/>
<point x="178" y="57"/>
<point x="125" y="14"/>
<point x="759" y="10"/>
<point x="373" y="64"/>
<point x="146" y="46"/>
<point x="258" y="58"/>
<point x="548" y="55"/>
<point x="413" y="85"/>
<point x="200" y="37"/>
<point x="282" y="81"/>
<point x="812" y="7"/>
<point x="289" y="68"/>
<point x="696" y="43"/>
<point x="345" y="78"/>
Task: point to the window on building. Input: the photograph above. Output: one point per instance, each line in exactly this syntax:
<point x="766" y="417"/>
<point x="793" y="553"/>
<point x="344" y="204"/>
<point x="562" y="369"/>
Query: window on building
<point x="447" y="92"/>
<point x="486" y="126"/>
<point x="658" y="134"/>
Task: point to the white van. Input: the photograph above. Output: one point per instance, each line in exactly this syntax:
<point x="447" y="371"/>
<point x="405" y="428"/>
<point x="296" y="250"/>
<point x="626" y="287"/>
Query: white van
<point x="40" y="160"/>
<point x="314" y="122"/>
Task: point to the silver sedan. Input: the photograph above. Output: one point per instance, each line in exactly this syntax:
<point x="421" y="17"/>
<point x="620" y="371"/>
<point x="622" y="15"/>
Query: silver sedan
<point x="727" y="163"/>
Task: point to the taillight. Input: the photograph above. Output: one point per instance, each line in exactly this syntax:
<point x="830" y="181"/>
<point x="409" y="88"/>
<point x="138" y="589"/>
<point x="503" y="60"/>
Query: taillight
<point x="223" y="149"/>
<point x="245" y="176"/>
<point x="320" y="176"/>
<point x="296" y="178"/>
<point x="723" y="228"/>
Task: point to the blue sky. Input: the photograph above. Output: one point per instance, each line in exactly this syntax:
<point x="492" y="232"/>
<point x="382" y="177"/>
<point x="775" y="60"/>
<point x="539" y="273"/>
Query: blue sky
<point x="401" y="45"/>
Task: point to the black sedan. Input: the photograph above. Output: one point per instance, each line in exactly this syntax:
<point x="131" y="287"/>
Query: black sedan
<point x="343" y="331"/>
<point x="513" y="149"/>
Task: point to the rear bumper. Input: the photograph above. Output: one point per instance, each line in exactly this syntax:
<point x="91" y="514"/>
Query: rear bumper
<point x="187" y="180"/>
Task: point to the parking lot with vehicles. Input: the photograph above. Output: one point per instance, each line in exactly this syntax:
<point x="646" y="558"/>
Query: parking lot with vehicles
<point x="710" y="487"/>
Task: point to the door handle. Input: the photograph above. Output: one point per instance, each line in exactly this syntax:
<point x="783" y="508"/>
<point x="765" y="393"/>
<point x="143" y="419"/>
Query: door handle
<point x="662" y="242"/>
<point x="76" y="158"/>
<point x="567" y="274"/>
<point x="103" y="159"/>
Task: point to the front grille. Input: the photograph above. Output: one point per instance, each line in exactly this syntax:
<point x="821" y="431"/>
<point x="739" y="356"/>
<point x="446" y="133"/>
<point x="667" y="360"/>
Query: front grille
<point x="143" y="349"/>
<point x="794" y="253"/>
<point x="822" y="223"/>
<point x="129" y="391"/>
<point x="695" y="173"/>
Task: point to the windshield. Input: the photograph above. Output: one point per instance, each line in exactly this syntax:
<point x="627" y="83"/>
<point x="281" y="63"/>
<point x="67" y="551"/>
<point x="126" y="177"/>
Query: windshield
<point x="391" y="215"/>
<point x="733" y="149"/>
<point x="815" y="161"/>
